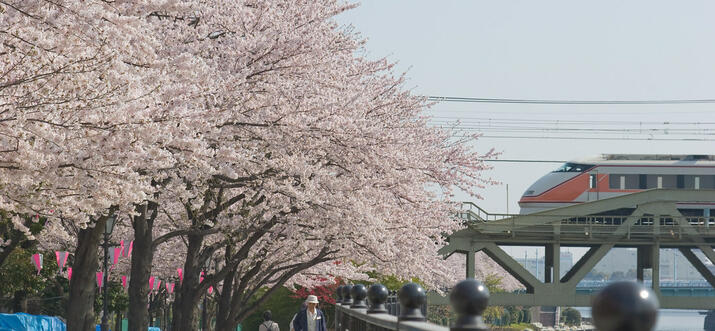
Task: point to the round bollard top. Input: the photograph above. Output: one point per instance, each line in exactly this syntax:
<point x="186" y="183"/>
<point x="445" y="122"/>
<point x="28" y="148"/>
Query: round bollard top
<point x="412" y="295"/>
<point x="377" y="294"/>
<point x="625" y="306"/>
<point x="358" y="292"/>
<point x="346" y="291"/>
<point x="469" y="297"/>
<point x="339" y="293"/>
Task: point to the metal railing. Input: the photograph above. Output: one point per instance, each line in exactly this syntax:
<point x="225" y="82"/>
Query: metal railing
<point x="619" y="306"/>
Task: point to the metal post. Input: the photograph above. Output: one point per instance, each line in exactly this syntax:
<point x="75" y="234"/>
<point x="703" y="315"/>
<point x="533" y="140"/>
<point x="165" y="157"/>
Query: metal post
<point x="105" y="325"/>
<point x="204" y="313"/>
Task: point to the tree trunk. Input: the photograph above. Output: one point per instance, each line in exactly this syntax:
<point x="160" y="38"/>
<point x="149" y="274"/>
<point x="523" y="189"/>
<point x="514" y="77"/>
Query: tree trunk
<point x="187" y="297"/>
<point x="142" y="256"/>
<point x="80" y="306"/>
<point x="223" y="313"/>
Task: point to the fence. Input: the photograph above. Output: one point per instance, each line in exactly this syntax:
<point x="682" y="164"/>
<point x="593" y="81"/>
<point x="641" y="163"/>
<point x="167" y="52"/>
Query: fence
<point x="619" y="306"/>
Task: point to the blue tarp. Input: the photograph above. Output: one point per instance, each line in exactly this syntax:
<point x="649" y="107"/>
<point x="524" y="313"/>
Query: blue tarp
<point x="151" y="328"/>
<point x="27" y="322"/>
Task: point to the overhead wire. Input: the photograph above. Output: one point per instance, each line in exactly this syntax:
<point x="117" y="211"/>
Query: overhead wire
<point x="568" y="102"/>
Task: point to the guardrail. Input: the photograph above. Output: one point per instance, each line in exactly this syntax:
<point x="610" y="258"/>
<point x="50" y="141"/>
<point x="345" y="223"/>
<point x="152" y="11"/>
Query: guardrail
<point x="620" y="306"/>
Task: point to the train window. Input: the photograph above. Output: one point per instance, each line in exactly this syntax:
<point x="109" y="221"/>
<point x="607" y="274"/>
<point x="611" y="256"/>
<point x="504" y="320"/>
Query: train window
<point x="624" y="182"/>
<point x="691" y="182"/>
<point x="669" y="181"/>
<point x="707" y="182"/>
<point x="680" y="181"/>
<point x="642" y="182"/>
<point x="573" y="167"/>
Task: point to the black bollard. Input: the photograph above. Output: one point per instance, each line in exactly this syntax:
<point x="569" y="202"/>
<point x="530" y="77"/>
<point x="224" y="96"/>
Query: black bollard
<point x="359" y="293"/>
<point x="469" y="299"/>
<point x="347" y="300"/>
<point x="339" y="295"/>
<point x="412" y="296"/>
<point x="625" y="306"/>
<point x="377" y="296"/>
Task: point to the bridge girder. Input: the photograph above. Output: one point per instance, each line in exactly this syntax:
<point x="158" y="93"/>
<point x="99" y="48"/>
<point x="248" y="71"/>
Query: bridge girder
<point x="654" y="223"/>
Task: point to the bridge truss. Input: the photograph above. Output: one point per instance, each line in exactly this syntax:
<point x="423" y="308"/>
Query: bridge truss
<point x="647" y="220"/>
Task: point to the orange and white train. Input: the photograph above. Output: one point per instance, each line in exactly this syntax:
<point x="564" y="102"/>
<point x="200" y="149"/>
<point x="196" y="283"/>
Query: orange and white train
<point x="610" y="175"/>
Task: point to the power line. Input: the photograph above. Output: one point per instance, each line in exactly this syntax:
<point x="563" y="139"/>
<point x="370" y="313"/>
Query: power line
<point x="525" y="161"/>
<point x="568" y="102"/>
<point x="488" y="120"/>
<point x="593" y="138"/>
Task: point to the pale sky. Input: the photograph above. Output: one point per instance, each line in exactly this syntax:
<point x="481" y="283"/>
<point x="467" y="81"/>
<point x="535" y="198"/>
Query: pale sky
<point x="556" y="50"/>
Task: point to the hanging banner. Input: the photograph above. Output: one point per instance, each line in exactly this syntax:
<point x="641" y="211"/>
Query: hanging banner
<point x="99" y="278"/>
<point x="211" y="289"/>
<point x="158" y="284"/>
<point x="124" y="282"/>
<point x="61" y="259"/>
<point x="201" y="279"/>
<point x="37" y="260"/>
<point x="128" y="249"/>
<point x="151" y="283"/>
<point x="69" y="273"/>
<point x="181" y="274"/>
<point x="114" y="254"/>
<point x="169" y="287"/>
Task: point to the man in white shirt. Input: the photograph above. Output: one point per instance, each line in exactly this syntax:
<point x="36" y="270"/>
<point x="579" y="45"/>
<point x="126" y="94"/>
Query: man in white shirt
<point x="310" y="319"/>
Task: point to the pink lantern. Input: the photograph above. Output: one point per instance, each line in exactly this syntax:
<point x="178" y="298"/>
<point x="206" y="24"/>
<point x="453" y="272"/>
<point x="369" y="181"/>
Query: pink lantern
<point x="61" y="259"/>
<point x="211" y="289"/>
<point x="37" y="260"/>
<point x="181" y="274"/>
<point x="124" y="282"/>
<point x="201" y="279"/>
<point x="128" y="249"/>
<point x="69" y="273"/>
<point x="99" y="278"/>
<point x="114" y="254"/>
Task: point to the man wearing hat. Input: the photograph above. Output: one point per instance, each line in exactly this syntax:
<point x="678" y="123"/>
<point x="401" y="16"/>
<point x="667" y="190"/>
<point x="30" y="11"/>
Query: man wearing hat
<point x="311" y="318"/>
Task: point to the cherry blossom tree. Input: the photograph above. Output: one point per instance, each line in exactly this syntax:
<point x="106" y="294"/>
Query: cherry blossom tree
<point x="74" y="86"/>
<point x="250" y="130"/>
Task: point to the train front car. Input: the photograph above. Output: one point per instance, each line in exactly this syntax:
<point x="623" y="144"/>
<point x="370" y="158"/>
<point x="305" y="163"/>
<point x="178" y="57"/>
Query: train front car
<point x="611" y="175"/>
<point x="562" y="187"/>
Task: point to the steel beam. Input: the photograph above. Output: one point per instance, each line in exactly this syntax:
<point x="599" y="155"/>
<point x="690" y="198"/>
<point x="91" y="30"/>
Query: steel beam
<point x="699" y="266"/>
<point x="512" y="267"/>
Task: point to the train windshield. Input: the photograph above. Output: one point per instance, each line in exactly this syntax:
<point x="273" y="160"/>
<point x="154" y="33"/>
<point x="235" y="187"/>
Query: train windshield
<point x="574" y="167"/>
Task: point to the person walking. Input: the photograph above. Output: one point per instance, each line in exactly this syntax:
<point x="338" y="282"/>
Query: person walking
<point x="302" y="307"/>
<point x="311" y="318"/>
<point x="268" y="324"/>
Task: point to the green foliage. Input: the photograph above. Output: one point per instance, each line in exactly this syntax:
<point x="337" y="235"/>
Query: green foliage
<point x="571" y="317"/>
<point x="283" y="306"/>
<point x="118" y="299"/>
<point x="391" y="282"/>
<point x="24" y="290"/>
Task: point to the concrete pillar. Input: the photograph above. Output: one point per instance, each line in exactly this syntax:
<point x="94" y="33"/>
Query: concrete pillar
<point x="470" y="263"/>
<point x="644" y="260"/>
<point x="552" y="262"/>
<point x="655" y="265"/>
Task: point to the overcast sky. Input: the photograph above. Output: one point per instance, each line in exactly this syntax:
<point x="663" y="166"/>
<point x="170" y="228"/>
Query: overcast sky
<point x="563" y="50"/>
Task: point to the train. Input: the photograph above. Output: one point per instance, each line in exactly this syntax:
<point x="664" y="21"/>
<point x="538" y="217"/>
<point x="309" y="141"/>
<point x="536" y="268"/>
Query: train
<point x="611" y="175"/>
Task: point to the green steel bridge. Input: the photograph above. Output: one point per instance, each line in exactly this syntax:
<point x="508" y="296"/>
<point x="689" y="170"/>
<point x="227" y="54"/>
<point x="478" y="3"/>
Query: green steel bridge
<point x="647" y="220"/>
